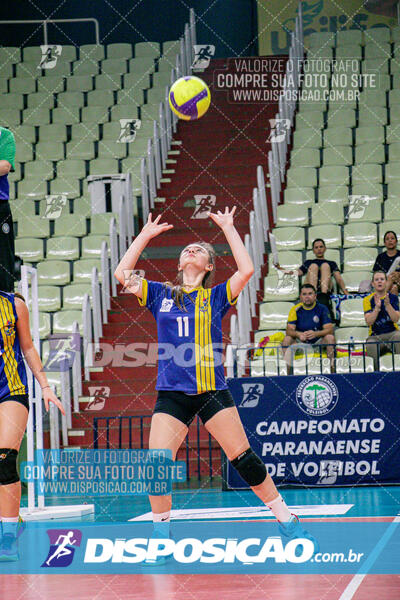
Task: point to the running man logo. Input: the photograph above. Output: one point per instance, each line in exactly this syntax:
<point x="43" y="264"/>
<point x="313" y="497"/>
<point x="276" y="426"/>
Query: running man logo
<point x="50" y="56"/>
<point x="251" y="394"/>
<point x="204" y="203"/>
<point x="329" y="470"/>
<point x="54" y="206"/>
<point x="279" y="129"/>
<point x="286" y="282"/>
<point x="62" y="351"/>
<point x="357" y="206"/>
<point x="128" y="131"/>
<point x="202" y="55"/>
<point x="63" y="543"/>
<point x="98" y="396"/>
<point x="132" y="280"/>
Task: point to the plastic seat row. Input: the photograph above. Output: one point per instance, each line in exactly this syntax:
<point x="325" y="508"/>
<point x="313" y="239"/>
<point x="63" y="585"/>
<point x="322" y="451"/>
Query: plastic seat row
<point x="341" y="175"/>
<point x="75" y="225"/>
<point x="343" y="136"/>
<point x="32" y="250"/>
<point x="354" y="259"/>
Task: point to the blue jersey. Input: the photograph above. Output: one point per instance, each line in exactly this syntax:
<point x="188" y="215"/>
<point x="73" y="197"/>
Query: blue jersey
<point x="12" y="367"/>
<point x="383" y="323"/>
<point x="189" y="341"/>
<point x="309" y="319"/>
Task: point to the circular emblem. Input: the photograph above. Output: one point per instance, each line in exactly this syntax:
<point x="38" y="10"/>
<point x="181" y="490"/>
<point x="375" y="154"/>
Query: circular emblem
<point x="316" y="319"/>
<point x="5" y="228"/>
<point x="316" y="395"/>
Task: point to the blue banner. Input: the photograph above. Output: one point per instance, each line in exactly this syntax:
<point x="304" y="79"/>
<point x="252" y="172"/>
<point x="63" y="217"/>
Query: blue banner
<point x="322" y="430"/>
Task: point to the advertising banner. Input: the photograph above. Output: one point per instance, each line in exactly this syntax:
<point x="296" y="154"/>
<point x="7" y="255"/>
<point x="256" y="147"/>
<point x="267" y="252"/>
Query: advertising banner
<point x="322" y="430"/>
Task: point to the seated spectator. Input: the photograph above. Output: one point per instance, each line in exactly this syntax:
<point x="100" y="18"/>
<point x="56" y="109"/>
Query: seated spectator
<point x="319" y="270"/>
<point x="309" y="323"/>
<point x="385" y="260"/>
<point x="381" y="311"/>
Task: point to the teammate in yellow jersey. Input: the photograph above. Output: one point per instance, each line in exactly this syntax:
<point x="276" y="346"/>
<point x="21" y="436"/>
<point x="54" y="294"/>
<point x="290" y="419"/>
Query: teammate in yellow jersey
<point x="191" y="378"/>
<point x="15" y="343"/>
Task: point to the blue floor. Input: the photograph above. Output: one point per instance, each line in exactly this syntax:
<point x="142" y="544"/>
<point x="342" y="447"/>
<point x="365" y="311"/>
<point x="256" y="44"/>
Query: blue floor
<point x="368" y="501"/>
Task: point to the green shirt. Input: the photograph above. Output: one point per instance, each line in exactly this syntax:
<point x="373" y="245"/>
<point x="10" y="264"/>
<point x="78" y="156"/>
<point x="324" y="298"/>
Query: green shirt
<point x="7" y="152"/>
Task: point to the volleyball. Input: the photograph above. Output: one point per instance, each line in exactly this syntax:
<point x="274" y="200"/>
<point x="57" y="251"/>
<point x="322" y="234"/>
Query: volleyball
<point x="189" y="98"/>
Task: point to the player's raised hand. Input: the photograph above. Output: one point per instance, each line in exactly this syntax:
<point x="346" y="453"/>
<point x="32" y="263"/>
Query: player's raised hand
<point x="154" y="228"/>
<point x="224" y="219"/>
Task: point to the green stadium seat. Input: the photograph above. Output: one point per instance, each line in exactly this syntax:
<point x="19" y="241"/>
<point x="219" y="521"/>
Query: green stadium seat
<point x="10" y="54"/>
<point x="346" y="335"/>
<point x="109" y="149"/>
<point x="73" y="225"/>
<point x="33" y="227"/>
<point x="388" y="226"/>
<point x="63" y="321"/>
<point x="52" y="84"/>
<point x="22" y="85"/>
<point x="157" y="95"/>
<point x="149" y="112"/>
<point x="292" y="215"/>
<point x="341" y="117"/>
<point x="27" y="69"/>
<point x="352" y="313"/>
<point x="366" y="173"/>
<point x="80" y="83"/>
<point x="394" y="66"/>
<point x="375" y="65"/>
<point x="83" y="270"/>
<point x="305" y="157"/>
<point x="39" y="168"/>
<point x="350" y="51"/>
<point x="289" y="238"/>
<point x="288" y="259"/>
<point x="320" y="38"/>
<point x="85" y="67"/>
<point x="333" y="193"/>
<point x="171" y="47"/>
<point x="377" y="34"/>
<point x="95" y="114"/>
<point x="304" y="176"/>
<point x="338" y="136"/>
<point x="134" y="85"/>
<point x="274" y="315"/>
<point x="142" y="65"/>
<point x="49" y="298"/>
<point x="353" y="279"/>
<point x="281" y="288"/>
<point x="147" y="49"/>
<point x="16" y="174"/>
<point x="388" y="361"/>
<point x="327" y="213"/>
<point x="356" y="260"/>
<point x="91" y="52"/>
<point x="359" y="234"/>
<point x="36" y="116"/>
<point x="302" y="196"/>
<point x="53" y="272"/>
<point x="394" y="152"/>
<point x="267" y="367"/>
<point x="100" y="98"/>
<point x="373" y="50"/>
<point x="392" y="172"/>
<point x="331" y="235"/>
<point x="24" y="152"/>
<point x="330" y="254"/>
<point x="370" y="133"/>
<point x="373" y="190"/>
<point x="104" y="166"/>
<point x="373" y="97"/>
<point x="394" y="97"/>
<point x="88" y="132"/>
<point x="354" y="364"/>
<point x="337" y="155"/>
<point x="334" y="175"/>
<point x="65" y="186"/>
<point x="24" y="134"/>
<point x="62" y="248"/>
<point x="34" y="188"/>
<point x="67" y="99"/>
<point x="392" y="209"/>
<point x="349" y="37"/>
<point x="71" y="168"/>
<point x="73" y="295"/>
<point x="80" y="150"/>
<point x="66" y="114"/>
<point x="304" y="105"/>
<point x="370" y="153"/>
<point x="121" y="50"/>
<point x="393" y="189"/>
<point x="82" y="206"/>
<point x="22" y="208"/>
<point x="10" y="117"/>
<point x="50" y="132"/>
<point x="14" y="101"/>
<point x="372" y="212"/>
<point x="124" y="111"/>
<point x="310" y="121"/>
<point x="61" y="68"/>
<point x="49" y="151"/>
<point x="108" y="81"/>
<point x="44" y="325"/>
<point x="372" y="115"/>
<point x="396" y="34"/>
<point x="114" y="65"/>
<point x="91" y="245"/>
<point x="303" y="138"/>
<point x="29" y="249"/>
<point x="100" y="223"/>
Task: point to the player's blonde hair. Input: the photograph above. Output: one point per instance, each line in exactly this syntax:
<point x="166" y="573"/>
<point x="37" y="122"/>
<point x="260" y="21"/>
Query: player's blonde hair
<point x="176" y="288"/>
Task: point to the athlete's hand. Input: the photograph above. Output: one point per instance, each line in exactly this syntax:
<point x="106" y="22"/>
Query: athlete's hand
<point x="223" y="220"/>
<point x="378" y="301"/>
<point x="49" y="396"/>
<point x="154" y="228"/>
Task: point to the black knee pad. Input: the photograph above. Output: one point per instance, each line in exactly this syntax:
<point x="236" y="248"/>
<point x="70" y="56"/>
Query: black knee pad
<point x="250" y="467"/>
<point x="8" y="466"/>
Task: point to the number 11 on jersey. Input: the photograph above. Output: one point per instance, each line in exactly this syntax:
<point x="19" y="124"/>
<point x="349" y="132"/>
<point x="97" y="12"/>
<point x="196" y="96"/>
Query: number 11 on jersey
<point x="183" y="326"/>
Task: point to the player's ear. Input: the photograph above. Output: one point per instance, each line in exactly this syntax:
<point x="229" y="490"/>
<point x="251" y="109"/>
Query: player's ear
<point x="210" y="267"/>
<point x="179" y="266"/>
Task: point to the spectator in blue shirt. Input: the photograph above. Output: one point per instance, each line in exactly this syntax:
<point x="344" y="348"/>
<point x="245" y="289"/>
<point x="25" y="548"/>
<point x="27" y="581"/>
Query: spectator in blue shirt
<point x="385" y="260"/>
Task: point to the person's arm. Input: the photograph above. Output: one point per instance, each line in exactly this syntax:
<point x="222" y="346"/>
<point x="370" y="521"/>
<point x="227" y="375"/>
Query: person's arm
<point x="340" y="282"/>
<point x="370" y="315"/>
<point x="5" y="167"/>
<point x="131" y="256"/>
<point x="297" y="272"/>
<point x="31" y="355"/>
<point x="7" y="151"/>
<point x="391" y="310"/>
<point x="327" y="329"/>
<point x="292" y="331"/>
<point x="245" y="268"/>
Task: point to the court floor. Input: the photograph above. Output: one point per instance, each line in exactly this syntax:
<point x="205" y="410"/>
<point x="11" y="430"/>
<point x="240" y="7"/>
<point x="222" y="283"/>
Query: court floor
<point x="363" y="504"/>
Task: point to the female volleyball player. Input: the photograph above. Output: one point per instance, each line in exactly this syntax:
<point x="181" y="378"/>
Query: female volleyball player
<point x="189" y="315"/>
<point x="15" y="339"/>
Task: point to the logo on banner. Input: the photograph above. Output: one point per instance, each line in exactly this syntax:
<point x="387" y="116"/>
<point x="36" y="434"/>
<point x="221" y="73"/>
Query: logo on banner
<point x="329" y="470"/>
<point x="251" y="394"/>
<point x="203" y="53"/>
<point x="316" y="395"/>
<point x="98" y="396"/>
<point x="279" y="129"/>
<point x="63" y="543"/>
<point x="50" y="55"/>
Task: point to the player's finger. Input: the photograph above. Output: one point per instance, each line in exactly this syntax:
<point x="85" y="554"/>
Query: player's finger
<point x="149" y="218"/>
<point x="59" y="405"/>
<point x="233" y="211"/>
<point x="157" y="219"/>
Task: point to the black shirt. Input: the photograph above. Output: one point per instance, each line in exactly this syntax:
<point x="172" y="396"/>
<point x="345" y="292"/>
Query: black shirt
<point x="384" y="262"/>
<point x="318" y="261"/>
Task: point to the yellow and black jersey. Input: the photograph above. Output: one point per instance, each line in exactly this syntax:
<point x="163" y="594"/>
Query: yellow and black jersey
<point x="13" y="379"/>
